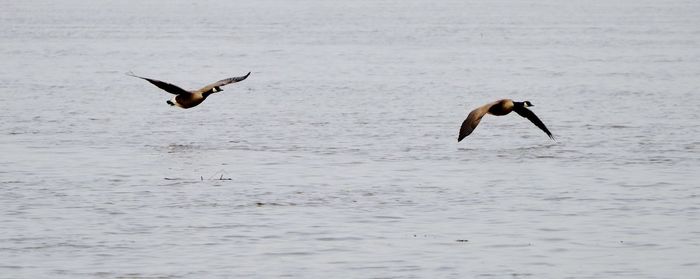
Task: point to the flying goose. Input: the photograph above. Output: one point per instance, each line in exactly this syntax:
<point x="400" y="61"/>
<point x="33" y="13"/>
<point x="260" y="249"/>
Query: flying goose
<point x="498" y="108"/>
<point x="187" y="99"/>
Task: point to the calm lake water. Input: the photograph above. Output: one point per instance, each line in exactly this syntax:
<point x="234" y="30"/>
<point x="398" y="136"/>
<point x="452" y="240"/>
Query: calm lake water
<point x="337" y="157"/>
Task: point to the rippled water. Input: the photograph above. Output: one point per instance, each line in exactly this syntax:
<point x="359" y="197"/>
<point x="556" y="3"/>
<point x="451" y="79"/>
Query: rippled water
<point x="338" y="157"/>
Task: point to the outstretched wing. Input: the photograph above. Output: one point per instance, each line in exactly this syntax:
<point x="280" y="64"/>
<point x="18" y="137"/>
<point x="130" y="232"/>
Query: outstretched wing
<point x="223" y="82"/>
<point x="524" y="112"/>
<point x="473" y="120"/>
<point x="171" y="88"/>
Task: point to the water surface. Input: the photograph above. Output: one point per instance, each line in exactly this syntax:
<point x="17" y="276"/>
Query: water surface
<point x="338" y="157"/>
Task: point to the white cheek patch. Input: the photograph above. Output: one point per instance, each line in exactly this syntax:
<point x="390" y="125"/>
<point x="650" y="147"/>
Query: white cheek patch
<point x="174" y="101"/>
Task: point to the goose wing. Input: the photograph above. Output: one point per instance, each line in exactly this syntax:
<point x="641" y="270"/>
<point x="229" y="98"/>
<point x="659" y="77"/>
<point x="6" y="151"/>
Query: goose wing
<point x="524" y="112"/>
<point x="473" y="120"/>
<point x="223" y="82"/>
<point x="170" y="88"/>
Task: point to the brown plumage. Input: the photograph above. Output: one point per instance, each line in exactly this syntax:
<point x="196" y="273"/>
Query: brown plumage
<point x="498" y="108"/>
<point x="187" y="99"/>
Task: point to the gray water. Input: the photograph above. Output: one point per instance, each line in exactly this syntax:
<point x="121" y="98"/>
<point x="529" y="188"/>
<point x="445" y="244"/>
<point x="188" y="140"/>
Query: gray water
<point x="337" y="157"/>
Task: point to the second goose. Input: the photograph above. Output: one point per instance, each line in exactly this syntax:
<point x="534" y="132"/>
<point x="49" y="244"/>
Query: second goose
<point x="498" y="108"/>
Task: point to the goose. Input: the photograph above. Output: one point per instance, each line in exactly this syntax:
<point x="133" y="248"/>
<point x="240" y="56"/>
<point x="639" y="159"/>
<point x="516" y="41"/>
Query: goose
<point x="498" y="108"/>
<point x="187" y="99"/>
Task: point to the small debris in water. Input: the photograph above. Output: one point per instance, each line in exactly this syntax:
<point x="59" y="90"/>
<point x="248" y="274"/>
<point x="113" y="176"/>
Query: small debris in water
<point x="222" y="177"/>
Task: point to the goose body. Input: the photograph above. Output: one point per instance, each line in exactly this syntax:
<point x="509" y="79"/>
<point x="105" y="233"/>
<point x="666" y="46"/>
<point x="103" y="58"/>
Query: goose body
<point x="499" y="108"/>
<point x="187" y="99"/>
